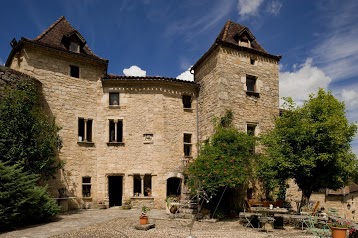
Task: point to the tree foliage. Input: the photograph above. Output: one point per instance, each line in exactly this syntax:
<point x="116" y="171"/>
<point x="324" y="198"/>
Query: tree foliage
<point x="21" y="201"/>
<point x="27" y="136"/>
<point x="226" y="159"/>
<point x="311" y="144"/>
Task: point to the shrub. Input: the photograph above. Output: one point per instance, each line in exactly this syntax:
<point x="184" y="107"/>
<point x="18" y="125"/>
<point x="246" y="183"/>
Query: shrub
<point x="22" y="202"/>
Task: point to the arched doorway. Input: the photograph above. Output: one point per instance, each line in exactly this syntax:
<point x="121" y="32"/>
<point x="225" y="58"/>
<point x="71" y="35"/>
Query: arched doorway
<point x="173" y="187"/>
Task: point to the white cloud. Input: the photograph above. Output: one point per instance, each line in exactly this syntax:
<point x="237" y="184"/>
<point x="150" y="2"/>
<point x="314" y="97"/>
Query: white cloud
<point x="186" y="75"/>
<point x="134" y="71"/>
<point x="302" y="81"/>
<point x="274" y="7"/>
<point x="248" y="7"/>
<point x="337" y="50"/>
<point x="350" y="97"/>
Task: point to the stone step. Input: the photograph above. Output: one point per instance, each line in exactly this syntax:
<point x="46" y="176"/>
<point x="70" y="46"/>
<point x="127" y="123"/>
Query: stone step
<point x="188" y="206"/>
<point x="188" y="211"/>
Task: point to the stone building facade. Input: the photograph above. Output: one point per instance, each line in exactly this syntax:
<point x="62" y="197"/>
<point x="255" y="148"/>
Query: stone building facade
<point x="344" y="201"/>
<point x="127" y="137"/>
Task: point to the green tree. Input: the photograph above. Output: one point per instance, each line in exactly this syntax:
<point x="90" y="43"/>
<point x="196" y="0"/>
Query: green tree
<point x="21" y="201"/>
<point x="27" y="136"/>
<point x="226" y="159"/>
<point x="311" y="144"/>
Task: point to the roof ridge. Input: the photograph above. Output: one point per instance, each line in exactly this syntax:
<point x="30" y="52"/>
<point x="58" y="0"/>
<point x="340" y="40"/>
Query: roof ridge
<point x="50" y="28"/>
<point x="226" y="28"/>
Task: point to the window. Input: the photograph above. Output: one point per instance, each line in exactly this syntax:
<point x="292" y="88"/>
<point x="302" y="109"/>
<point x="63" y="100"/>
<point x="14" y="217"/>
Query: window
<point x="74" y="47"/>
<point x="85" y="130"/>
<point x="146" y="181"/>
<point x="86" y="187"/>
<point x="187" y="145"/>
<point x="244" y="42"/>
<point x="252" y="61"/>
<point x="74" y="71"/>
<point x="113" y="99"/>
<point x="116" y="131"/>
<point x="250" y="83"/>
<point x="186" y="101"/>
<point x="251" y="129"/>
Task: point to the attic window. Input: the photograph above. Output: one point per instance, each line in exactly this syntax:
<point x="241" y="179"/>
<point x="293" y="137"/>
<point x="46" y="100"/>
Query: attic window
<point x="244" y="42"/>
<point x="74" y="47"/>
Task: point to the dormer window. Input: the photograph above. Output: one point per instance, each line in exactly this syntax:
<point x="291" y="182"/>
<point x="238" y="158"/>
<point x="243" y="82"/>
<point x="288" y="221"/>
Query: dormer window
<point x="74" y="47"/>
<point x="244" y="42"/>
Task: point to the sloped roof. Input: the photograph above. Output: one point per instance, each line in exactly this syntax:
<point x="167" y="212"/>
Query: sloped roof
<point x="229" y="36"/>
<point x="350" y="188"/>
<point x="112" y="77"/>
<point x="53" y="37"/>
<point x="232" y="30"/>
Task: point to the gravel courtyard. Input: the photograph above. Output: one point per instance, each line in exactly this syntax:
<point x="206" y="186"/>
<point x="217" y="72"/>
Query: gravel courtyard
<point x="115" y="222"/>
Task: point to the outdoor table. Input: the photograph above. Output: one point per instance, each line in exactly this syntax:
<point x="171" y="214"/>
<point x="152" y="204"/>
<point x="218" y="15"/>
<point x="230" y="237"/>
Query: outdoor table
<point x="267" y="212"/>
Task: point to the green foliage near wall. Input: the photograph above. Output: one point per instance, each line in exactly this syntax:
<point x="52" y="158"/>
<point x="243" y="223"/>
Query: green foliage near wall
<point x="226" y="159"/>
<point x="28" y="137"/>
<point x="21" y="201"/>
<point x="311" y="144"/>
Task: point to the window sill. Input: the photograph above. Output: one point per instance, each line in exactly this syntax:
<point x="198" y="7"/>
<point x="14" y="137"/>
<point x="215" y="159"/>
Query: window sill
<point x="188" y="157"/>
<point x="148" y="142"/>
<point x="116" y="107"/>
<point x="86" y="198"/>
<point x="188" y="109"/>
<point x="85" y="143"/>
<point x="115" y="143"/>
<point x="142" y="198"/>
<point x="251" y="93"/>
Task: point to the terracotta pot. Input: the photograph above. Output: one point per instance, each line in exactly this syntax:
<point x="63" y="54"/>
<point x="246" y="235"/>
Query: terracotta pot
<point x="143" y="220"/>
<point x="338" y="232"/>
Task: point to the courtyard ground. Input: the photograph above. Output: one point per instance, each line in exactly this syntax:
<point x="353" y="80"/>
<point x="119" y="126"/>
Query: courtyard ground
<point x="115" y="222"/>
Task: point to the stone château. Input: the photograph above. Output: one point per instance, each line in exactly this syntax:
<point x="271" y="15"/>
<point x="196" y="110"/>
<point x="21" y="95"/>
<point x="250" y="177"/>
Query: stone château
<point x="129" y="137"/>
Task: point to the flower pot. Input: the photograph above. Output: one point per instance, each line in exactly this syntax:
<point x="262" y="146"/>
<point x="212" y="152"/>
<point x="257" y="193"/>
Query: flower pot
<point x="339" y="232"/>
<point x="143" y="220"/>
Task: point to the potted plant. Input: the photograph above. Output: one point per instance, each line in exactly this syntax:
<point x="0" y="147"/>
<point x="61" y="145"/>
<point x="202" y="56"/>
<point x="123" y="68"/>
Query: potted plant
<point x="101" y="204"/>
<point x="127" y="204"/>
<point x="339" y="228"/>
<point x="148" y="191"/>
<point x="172" y="204"/>
<point x="143" y="219"/>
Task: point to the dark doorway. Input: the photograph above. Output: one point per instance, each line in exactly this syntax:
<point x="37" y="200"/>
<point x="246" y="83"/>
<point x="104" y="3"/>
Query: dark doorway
<point x="173" y="187"/>
<point x="115" y="188"/>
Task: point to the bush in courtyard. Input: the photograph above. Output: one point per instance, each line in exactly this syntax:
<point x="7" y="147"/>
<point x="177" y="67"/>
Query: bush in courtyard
<point x="28" y="136"/>
<point x="22" y="202"/>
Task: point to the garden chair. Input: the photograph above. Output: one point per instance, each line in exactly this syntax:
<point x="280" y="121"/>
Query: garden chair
<point x="247" y="216"/>
<point x="316" y="225"/>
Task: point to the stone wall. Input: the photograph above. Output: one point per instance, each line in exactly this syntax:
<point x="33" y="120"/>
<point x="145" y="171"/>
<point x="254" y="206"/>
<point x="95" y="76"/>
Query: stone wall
<point x="222" y="79"/>
<point x="145" y="108"/>
<point x="339" y="202"/>
<point x="10" y="77"/>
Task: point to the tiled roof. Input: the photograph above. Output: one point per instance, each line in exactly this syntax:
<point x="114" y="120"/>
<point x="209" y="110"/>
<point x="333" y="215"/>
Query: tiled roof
<point x="229" y="36"/>
<point x="112" y="77"/>
<point x="53" y="37"/>
<point x="232" y="30"/>
<point x="350" y="188"/>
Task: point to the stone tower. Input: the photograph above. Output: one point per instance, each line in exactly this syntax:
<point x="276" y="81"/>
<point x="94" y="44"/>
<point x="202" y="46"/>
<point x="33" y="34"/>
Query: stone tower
<point x="237" y="74"/>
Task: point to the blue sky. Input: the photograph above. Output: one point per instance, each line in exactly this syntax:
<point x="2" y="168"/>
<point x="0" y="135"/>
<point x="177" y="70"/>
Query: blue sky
<point x="317" y="39"/>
